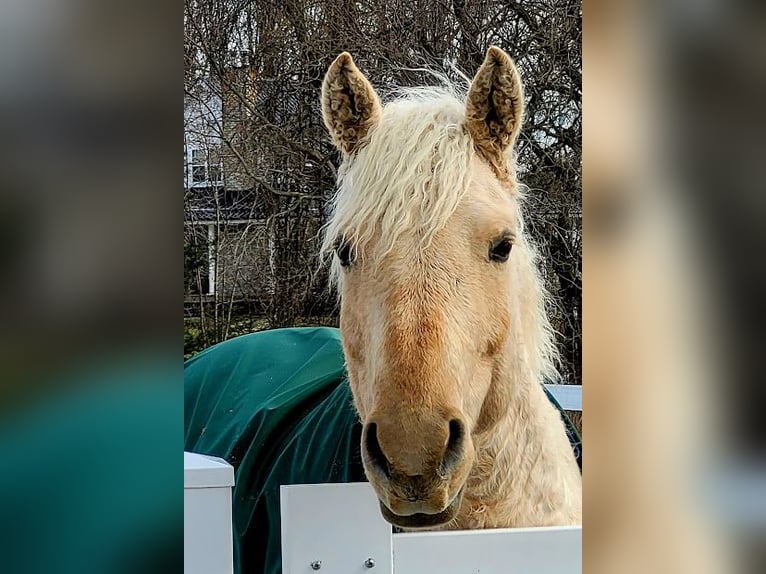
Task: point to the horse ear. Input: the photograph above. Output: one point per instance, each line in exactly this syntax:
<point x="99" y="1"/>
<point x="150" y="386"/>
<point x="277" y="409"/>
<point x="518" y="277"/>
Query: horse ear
<point x="350" y="106"/>
<point x="495" y="105"/>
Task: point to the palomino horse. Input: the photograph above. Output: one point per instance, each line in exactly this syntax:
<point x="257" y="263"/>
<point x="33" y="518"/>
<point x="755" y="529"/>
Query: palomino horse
<point x="442" y="307"/>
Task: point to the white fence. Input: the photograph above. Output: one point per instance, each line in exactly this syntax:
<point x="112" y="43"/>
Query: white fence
<point x="338" y="529"/>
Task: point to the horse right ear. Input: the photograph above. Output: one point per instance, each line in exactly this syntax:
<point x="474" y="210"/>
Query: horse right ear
<point x="495" y="106"/>
<point x="350" y="106"/>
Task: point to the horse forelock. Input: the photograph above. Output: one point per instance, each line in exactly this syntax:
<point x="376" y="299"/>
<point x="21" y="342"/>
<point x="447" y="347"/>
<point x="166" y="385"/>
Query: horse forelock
<point x="409" y="177"/>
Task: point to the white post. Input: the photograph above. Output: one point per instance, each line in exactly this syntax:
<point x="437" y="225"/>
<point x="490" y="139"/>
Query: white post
<point x="211" y="251"/>
<point x="208" y="537"/>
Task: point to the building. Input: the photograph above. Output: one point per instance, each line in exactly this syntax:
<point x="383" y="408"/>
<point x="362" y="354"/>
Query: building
<point x="226" y="245"/>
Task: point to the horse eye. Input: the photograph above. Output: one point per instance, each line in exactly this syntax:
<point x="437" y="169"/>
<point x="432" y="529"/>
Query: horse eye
<point x="344" y="252"/>
<point x="501" y="250"/>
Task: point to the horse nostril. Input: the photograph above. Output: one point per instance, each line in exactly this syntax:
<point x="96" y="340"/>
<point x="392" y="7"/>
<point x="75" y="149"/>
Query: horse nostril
<point x="454" y="451"/>
<point x="375" y="456"/>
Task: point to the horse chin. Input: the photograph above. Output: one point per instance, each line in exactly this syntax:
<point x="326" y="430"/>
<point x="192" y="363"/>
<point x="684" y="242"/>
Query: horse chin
<point x="421" y="520"/>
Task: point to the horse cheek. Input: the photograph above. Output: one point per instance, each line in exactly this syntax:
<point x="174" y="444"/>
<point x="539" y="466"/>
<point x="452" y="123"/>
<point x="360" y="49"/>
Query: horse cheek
<point x="493" y="410"/>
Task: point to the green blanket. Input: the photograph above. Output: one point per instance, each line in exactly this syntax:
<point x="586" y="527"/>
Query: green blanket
<point x="277" y="406"/>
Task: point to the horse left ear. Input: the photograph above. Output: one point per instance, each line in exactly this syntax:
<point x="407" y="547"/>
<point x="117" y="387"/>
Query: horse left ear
<point x="495" y="105"/>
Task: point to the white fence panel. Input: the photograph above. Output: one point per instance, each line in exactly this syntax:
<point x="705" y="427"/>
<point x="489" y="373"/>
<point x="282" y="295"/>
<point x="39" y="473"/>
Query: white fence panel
<point x="556" y="550"/>
<point x="333" y="528"/>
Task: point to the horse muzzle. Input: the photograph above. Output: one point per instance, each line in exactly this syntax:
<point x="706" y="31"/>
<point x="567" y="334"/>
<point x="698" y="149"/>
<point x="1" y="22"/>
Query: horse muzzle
<point x="418" y="465"/>
<point x="408" y="515"/>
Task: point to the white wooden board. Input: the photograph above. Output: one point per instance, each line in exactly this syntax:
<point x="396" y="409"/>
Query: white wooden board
<point x="568" y="396"/>
<point x="338" y="525"/>
<point x="508" y="551"/>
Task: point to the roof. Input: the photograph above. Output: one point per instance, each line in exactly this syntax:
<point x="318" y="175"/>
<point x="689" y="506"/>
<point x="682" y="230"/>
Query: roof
<point x="202" y="204"/>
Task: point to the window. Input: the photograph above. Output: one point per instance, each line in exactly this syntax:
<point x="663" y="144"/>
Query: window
<point x="198" y="166"/>
<point x="205" y="167"/>
<point x="214" y="167"/>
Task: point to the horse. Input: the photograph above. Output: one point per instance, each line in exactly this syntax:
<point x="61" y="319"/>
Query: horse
<point x="442" y="305"/>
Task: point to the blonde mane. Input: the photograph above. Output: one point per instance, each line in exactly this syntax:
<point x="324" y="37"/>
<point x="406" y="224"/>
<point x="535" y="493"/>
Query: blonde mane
<point x="419" y="146"/>
<point x="389" y="188"/>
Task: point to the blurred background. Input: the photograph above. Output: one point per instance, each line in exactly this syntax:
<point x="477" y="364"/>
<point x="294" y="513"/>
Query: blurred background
<point x="673" y="218"/>
<point x="92" y="255"/>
